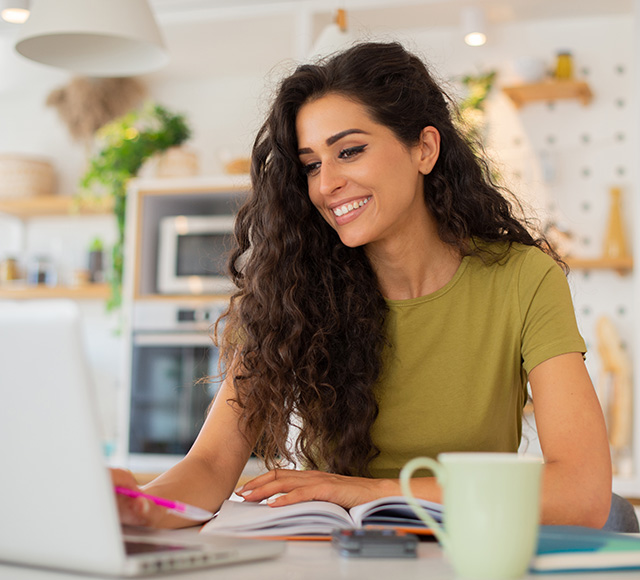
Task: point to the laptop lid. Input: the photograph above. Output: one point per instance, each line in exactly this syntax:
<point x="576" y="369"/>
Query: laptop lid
<point x="59" y="509"/>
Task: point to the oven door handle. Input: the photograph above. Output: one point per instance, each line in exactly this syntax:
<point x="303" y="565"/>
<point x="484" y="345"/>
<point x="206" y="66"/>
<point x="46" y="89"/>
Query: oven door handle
<point x="172" y="339"/>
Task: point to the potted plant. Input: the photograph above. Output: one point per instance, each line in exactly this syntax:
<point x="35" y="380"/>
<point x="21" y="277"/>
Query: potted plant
<point x="123" y="145"/>
<point x="96" y="262"/>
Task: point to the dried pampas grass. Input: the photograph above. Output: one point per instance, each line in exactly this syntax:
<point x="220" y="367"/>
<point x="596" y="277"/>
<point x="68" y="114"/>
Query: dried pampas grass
<point x="86" y="104"/>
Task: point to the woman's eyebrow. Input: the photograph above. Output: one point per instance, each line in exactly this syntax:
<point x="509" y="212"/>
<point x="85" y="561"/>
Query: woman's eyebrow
<point x="333" y="139"/>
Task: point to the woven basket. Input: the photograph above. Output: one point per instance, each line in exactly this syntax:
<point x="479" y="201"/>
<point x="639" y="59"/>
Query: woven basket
<point x="177" y="162"/>
<point x="25" y="176"/>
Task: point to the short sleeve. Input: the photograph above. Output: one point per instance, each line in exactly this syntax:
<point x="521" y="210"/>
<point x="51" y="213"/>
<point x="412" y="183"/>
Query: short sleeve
<point x="549" y="326"/>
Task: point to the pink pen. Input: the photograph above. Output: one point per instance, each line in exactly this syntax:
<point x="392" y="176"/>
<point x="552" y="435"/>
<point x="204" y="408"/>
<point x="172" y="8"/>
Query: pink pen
<point x="183" y="510"/>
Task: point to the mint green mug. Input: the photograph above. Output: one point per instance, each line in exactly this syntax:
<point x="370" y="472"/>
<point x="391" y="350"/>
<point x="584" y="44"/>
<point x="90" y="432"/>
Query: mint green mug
<point x="491" y="507"/>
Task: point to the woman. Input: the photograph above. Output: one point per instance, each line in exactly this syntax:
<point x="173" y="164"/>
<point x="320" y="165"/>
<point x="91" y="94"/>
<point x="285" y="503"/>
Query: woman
<point x="390" y="304"/>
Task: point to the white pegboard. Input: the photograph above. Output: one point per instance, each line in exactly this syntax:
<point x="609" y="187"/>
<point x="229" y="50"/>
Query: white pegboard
<point x="590" y="149"/>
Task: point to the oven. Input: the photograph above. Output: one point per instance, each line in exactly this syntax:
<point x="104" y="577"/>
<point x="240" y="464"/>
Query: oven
<point x="172" y="355"/>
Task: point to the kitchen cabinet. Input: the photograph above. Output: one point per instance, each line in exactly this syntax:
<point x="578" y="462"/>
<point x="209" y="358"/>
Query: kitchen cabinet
<point x="148" y="202"/>
<point x="167" y="347"/>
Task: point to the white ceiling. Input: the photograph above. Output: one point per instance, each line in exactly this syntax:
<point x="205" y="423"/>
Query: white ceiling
<point x="223" y="29"/>
<point x="401" y="13"/>
<point x="392" y="13"/>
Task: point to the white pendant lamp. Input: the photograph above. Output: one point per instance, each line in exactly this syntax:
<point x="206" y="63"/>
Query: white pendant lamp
<point x="100" y="38"/>
<point x="474" y="26"/>
<point x="334" y="37"/>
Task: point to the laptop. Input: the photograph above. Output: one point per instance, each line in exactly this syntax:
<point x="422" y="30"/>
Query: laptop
<point x="58" y="506"/>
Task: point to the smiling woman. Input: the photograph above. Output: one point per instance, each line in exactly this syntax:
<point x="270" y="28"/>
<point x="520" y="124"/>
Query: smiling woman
<point x="389" y="305"/>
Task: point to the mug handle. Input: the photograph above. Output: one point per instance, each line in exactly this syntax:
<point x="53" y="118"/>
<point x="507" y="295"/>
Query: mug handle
<point x="405" y="485"/>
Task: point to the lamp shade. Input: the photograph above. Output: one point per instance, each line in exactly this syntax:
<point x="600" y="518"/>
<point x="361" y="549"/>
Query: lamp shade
<point x="14" y="11"/>
<point x="335" y="36"/>
<point x="101" y="38"/>
<point x="474" y="26"/>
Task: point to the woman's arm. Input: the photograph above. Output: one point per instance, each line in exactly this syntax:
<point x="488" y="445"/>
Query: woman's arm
<point x="204" y="478"/>
<point x="573" y="437"/>
<point x="576" y="486"/>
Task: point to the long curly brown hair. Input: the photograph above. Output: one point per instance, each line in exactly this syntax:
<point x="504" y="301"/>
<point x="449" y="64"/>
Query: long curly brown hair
<point x="304" y="333"/>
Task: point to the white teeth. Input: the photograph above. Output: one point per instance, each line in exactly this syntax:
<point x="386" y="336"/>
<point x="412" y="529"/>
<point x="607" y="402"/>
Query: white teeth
<point x="345" y="209"/>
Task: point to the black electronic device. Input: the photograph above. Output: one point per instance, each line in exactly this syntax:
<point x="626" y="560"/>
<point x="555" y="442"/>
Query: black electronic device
<point x="370" y="543"/>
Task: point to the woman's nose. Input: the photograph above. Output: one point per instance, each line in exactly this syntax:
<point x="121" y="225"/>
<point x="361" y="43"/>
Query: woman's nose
<point x="331" y="178"/>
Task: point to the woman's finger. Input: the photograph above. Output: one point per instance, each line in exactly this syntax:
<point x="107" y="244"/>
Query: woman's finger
<point x="282" y="485"/>
<point x="269" y="477"/>
<point x="123" y="478"/>
<point x="134" y="511"/>
<point x="297" y="495"/>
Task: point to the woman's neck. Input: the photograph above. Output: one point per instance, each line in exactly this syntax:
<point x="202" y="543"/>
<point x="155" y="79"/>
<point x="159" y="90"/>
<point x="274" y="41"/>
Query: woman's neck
<point x="410" y="266"/>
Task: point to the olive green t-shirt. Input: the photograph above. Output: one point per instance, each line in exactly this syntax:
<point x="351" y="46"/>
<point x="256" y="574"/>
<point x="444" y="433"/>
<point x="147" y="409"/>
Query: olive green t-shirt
<point x="455" y="373"/>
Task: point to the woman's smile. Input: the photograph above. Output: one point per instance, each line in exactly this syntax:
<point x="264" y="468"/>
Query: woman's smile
<point x="349" y="210"/>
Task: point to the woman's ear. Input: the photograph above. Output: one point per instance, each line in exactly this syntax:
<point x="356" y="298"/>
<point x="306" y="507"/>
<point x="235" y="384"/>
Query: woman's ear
<point x="429" y="149"/>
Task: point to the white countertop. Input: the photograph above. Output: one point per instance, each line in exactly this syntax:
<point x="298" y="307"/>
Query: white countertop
<point x="316" y="560"/>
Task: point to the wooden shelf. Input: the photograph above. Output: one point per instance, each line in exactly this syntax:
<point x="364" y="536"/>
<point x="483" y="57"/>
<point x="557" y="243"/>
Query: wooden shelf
<point x="550" y="90"/>
<point x="53" y="205"/>
<point x="172" y="298"/>
<point x="20" y="291"/>
<point x="620" y="265"/>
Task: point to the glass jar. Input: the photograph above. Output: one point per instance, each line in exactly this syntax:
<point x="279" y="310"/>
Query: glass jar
<point x="9" y="270"/>
<point x="41" y="271"/>
<point x="564" y="65"/>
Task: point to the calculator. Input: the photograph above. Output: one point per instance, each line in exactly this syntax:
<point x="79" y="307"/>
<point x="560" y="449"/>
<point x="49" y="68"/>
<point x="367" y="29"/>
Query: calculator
<point x="374" y="543"/>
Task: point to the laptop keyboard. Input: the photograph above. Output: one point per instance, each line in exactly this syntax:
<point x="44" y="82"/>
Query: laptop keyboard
<point x="133" y="548"/>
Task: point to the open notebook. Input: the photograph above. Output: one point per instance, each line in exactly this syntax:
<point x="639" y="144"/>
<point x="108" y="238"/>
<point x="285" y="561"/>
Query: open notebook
<point x="59" y="508"/>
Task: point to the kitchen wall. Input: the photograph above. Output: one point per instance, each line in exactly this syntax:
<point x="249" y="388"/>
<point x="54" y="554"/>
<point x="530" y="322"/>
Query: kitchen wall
<point x="561" y="159"/>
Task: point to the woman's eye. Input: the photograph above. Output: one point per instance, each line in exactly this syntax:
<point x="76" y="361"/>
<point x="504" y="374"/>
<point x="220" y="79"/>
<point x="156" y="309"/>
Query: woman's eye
<point x="311" y="168"/>
<point x="351" y="151"/>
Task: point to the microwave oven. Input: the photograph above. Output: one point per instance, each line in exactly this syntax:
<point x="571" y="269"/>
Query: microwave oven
<point x="192" y="254"/>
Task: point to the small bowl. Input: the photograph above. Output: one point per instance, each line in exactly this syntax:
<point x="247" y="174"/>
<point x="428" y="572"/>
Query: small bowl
<point x="530" y="69"/>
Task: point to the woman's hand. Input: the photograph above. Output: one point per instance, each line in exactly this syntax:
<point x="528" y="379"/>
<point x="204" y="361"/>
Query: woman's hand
<point x="134" y="511"/>
<point x="297" y="486"/>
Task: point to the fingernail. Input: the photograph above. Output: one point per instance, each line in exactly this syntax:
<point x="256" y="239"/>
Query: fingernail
<point x="272" y="499"/>
<point x="239" y="490"/>
<point x="246" y="493"/>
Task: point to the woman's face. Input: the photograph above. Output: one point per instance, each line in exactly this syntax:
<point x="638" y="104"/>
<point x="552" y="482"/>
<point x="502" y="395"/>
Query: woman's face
<point x="366" y="183"/>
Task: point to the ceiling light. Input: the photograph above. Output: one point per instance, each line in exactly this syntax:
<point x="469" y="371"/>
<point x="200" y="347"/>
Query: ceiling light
<point x="14" y="11"/>
<point x="474" y="26"/>
<point x="100" y="38"/>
